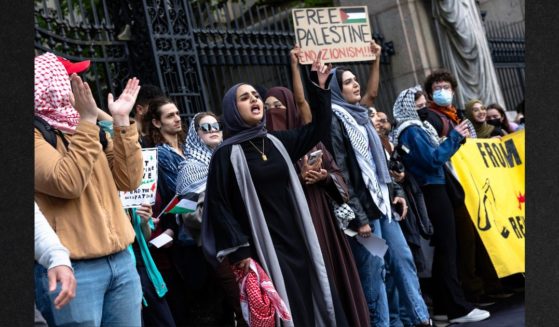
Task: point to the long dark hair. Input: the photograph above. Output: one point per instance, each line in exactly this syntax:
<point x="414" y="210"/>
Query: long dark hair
<point x="339" y="72"/>
<point x="154" y="112"/>
<point x="506" y="124"/>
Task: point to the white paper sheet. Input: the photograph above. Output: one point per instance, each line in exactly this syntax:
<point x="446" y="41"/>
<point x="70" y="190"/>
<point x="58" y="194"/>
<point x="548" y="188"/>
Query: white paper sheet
<point x="376" y="245"/>
<point x="161" y="240"/>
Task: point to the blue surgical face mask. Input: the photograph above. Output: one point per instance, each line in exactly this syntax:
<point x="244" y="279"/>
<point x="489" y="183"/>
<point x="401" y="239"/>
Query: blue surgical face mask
<point x="442" y="97"/>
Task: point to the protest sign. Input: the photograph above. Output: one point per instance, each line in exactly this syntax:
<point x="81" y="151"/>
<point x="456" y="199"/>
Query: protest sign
<point x="491" y="172"/>
<point x="342" y="33"/>
<point x="146" y="192"/>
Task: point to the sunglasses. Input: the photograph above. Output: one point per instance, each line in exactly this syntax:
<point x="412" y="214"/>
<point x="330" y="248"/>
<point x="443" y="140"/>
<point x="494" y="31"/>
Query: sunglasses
<point x="208" y="128"/>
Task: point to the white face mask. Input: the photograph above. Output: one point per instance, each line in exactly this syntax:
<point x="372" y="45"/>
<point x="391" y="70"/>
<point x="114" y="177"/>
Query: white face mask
<point x="442" y="97"/>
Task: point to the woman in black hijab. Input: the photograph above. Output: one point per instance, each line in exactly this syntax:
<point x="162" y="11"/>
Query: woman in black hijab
<point x="256" y="208"/>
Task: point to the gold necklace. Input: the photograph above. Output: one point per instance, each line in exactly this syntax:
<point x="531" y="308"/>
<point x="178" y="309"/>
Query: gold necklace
<point x="264" y="157"/>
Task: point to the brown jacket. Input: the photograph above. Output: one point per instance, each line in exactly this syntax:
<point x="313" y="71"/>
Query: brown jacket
<point x="77" y="188"/>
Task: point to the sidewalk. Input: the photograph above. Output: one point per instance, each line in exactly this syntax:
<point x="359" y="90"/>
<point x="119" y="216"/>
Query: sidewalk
<point x="505" y="313"/>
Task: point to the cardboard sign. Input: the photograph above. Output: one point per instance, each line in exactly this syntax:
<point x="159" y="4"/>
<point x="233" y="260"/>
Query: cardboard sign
<point x="342" y="33"/>
<point x="146" y="192"/>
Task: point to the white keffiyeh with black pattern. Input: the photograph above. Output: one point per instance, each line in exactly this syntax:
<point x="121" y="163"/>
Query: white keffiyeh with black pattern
<point x="193" y="172"/>
<point x="406" y="115"/>
<point x="360" y="145"/>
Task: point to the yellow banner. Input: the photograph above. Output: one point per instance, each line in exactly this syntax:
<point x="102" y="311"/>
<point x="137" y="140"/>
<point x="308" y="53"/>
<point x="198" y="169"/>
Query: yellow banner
<point x="492" y="174"/>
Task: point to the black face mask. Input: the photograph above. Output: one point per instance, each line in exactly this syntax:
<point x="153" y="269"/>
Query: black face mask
<point x="423" y="113"/>
<point x="495" y="122"/>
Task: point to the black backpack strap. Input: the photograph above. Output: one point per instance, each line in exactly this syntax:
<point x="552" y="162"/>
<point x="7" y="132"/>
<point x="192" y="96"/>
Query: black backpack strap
<point x="49" y="133"/>
<point x="46" y="130"/>
<point x="444" y="121"/>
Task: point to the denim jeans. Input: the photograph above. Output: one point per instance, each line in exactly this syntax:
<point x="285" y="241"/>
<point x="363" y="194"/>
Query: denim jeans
<point x="108" y="293"/>
<point x="402" y="276"/>
<point x="371" y="273"/>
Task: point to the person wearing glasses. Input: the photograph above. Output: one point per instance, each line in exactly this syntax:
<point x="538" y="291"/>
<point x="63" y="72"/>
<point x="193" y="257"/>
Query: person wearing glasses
<point x="440" y="87"/>
<point x="204" y="134"/>
<point x="425" y="161"/>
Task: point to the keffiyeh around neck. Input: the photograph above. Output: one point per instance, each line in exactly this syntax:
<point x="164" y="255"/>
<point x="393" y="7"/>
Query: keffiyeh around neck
<point x="193" y="172"/>
<point x="52" y="94"/>
<point x="238" y="131"/>
<point x="406" y="116"/>
<point x="361" y="116"/>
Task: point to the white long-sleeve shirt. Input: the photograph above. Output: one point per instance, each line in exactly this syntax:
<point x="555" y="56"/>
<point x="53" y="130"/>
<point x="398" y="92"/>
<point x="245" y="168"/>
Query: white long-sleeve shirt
<point x="49" y="252"/>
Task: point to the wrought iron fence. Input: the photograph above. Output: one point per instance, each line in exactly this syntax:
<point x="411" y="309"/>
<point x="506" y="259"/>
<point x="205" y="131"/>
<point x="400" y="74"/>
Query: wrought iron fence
<point x="193" y="50"/>
<point x="507" y="44"/>
<point x="81" y="30"/>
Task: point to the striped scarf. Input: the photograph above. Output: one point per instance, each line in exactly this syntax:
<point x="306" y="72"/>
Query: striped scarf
<point x="360" y="144"/>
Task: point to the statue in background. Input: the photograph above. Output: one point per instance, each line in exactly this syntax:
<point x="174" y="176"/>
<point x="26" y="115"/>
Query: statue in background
<point x="465" y="51"/>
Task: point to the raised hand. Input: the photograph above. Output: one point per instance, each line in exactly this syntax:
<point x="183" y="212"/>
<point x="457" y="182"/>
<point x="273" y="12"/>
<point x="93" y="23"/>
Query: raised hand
<point x="82" y="99"/>
<point x="462" y="129"/>
<point x="375" y="49"/>
<point x="120" y="109"/>
<point x="294" y="55"/>
<point x="322" y="70"/>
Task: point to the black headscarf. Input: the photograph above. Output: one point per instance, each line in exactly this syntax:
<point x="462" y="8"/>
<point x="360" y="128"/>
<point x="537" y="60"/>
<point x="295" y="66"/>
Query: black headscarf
<point x="237" y="129"/>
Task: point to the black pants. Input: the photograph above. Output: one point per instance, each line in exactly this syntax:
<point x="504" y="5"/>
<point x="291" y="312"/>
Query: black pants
<point x="475" y="269"/>
<point x="448" y="296"/>
<point x="157" y="313"/>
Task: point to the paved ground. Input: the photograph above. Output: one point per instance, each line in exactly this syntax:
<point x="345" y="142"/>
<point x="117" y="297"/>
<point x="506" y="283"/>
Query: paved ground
<point x="505" y="313"/>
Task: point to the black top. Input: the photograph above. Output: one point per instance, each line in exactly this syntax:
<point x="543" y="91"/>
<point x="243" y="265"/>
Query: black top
<point x="227" y="214"/>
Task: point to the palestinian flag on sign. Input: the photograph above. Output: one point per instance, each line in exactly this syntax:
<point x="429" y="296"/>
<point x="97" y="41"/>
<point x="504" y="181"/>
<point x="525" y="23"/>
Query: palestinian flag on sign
<point x="180" y="205"/>
<point x="353" y="15"/>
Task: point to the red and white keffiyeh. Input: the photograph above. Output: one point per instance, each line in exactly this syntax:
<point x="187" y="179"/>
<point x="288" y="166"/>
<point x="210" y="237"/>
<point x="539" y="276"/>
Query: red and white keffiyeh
<point x="52" y="94"/>
<point x="259" y="299"/>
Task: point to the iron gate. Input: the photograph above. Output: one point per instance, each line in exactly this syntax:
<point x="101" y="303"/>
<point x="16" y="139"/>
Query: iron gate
<point x="506" y="42"/>
<point x="193" y="50"/>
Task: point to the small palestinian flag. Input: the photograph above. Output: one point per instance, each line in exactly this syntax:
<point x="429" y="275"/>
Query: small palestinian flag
<point x="178" y="206"/>
<point x="353" y="15"/>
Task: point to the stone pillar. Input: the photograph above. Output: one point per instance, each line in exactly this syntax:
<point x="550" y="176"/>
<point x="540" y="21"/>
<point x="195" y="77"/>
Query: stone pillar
<point x="465" y="51"/>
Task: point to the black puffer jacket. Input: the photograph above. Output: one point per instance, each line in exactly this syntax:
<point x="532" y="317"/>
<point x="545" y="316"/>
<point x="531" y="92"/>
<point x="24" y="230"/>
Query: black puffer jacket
<point x="360" y="199"/>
